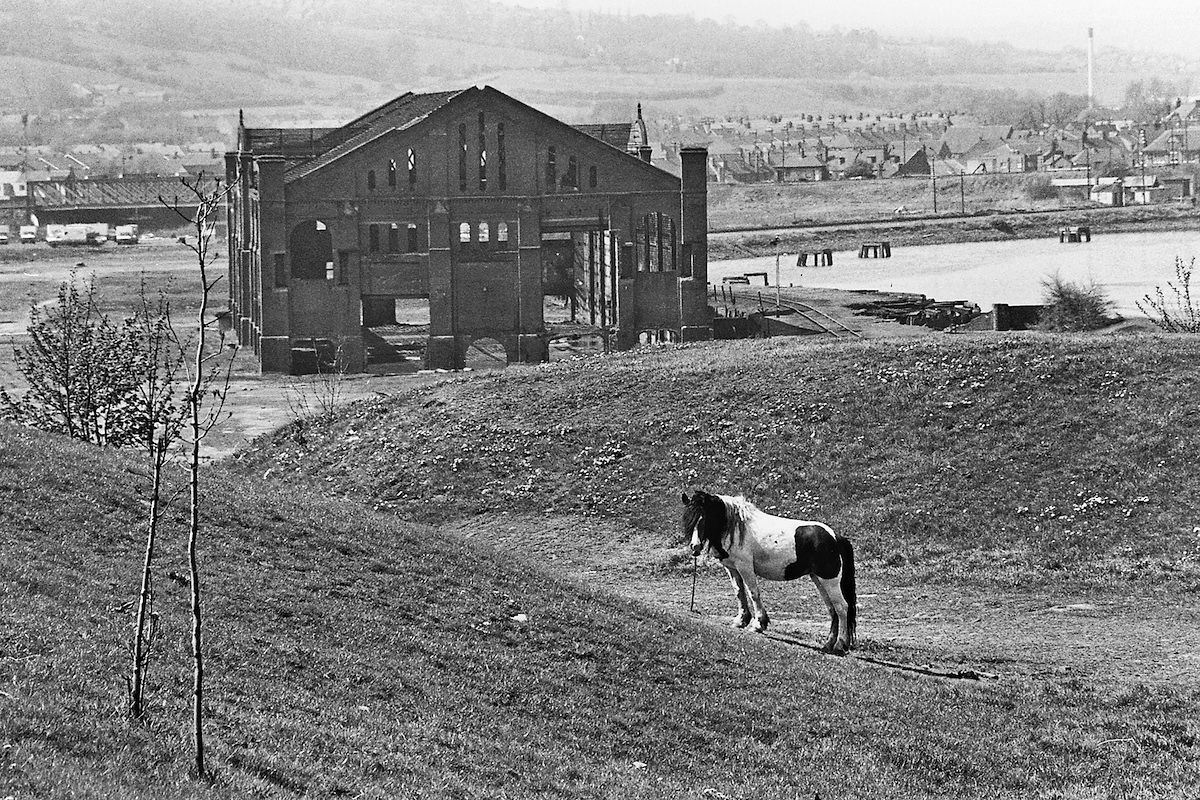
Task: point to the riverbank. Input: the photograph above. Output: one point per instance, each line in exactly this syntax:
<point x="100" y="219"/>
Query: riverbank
<point x="983" y="227"/>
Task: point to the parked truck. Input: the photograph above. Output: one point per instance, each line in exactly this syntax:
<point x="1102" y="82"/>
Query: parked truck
<point x="79" y="233"/>
<point x="28" y="234"/>
<point x="4" y="234"/>
<point x="127" y="234"/>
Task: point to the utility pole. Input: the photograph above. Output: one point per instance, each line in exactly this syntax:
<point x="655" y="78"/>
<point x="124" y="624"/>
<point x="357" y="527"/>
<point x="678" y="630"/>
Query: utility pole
<point x="1142" y="159"/>
<point x="962" y="193"/>
<point x="775" y="244"/>
<point x="933" y="180"/>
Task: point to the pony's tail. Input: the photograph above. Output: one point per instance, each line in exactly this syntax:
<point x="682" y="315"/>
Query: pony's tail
<point x="849" y="591"/>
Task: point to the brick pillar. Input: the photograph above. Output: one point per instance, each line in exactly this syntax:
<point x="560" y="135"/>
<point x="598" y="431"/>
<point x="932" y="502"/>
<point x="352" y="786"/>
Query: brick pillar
<point x="275" y="346"/>
<point x="233" y="245"/>
<point x="442" y="350"/>
<point x="532" y="341"/>
<point x="695" y="324"/>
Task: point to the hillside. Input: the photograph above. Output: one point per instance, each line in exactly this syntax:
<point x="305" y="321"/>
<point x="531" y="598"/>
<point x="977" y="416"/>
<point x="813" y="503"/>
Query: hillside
<point x="322" y="56"/>
<point x="355" y="648"/>
<point x="953" y="451"/>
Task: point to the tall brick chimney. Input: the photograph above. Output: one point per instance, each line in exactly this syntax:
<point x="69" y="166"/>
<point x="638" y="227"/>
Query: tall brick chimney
<point x="693" y="217"/>
<point x="693" y="237"/>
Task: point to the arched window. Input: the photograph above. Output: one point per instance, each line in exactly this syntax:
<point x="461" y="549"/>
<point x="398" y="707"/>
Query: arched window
<point x="673" y="254"/>
<point x="572" y="177"/>
<point x="413" y="244"/>
<point x="551" y="167"/>
<point x="392" y="172"/>
<point x="371" y="180"/>
<point x="483" y="233"/>
<point x="482" y="154"/>
<point x="394" y="238"/>
<point x="464" y="233"/>
<point x="373" y="238"/>
<point x="502" y="232"/>
<point x="462" y="156"/>
<point x="412" y="167"/>
<point x="501" y="158"/>
<point x="592" y="177"/>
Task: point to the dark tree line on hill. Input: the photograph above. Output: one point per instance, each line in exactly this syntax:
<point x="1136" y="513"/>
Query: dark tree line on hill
<point x="375" y="39"/>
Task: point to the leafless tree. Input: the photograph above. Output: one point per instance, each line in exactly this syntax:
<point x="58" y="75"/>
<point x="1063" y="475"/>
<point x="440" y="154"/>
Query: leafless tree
<point x="162" y="422"/>
<point x="1180" y="313"/>
<point x="204" y="399"/>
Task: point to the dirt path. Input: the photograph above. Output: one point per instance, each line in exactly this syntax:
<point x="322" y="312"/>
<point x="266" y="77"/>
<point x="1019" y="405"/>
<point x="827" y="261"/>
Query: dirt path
<point x="1104" y="639"/>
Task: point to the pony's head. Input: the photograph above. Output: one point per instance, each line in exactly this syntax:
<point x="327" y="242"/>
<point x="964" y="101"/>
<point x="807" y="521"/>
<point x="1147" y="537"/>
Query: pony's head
<point x="705" y="523"/>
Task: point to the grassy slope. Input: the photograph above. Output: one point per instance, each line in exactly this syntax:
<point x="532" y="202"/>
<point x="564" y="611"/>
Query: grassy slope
<point x="356" y="653"/>
<point x="1037" y="454"/>
<point x="831" y="202"/>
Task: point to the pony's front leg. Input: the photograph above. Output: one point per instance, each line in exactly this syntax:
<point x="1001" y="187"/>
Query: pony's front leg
<point x="761" y="620"/>
<point x="739" y="589"/>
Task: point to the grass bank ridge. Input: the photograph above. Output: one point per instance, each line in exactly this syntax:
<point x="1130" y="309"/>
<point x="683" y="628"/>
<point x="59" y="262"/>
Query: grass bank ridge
<point x="357" y="649"/>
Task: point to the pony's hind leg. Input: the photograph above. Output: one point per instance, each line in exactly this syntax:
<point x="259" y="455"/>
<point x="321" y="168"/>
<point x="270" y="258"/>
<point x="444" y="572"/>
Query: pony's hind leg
<point x="833" y="617"/>
<point x="839" y="628"/>
<point x="739" y="588"/>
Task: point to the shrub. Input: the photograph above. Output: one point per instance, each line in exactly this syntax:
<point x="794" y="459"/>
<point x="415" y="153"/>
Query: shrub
<point x="1040" y="188"/>
<point x="860" y="169"/>
<point x="1072" y="307"/>
<point x="83" y="371"/>
<point x="1180" y="314"/>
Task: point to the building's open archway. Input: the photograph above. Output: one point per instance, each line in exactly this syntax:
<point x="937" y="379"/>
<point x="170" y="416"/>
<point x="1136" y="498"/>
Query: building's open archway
<point x="310" y="251"/>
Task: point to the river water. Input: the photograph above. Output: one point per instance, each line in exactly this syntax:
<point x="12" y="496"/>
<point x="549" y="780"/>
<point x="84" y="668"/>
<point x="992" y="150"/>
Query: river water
<point x="1127" y="265"/>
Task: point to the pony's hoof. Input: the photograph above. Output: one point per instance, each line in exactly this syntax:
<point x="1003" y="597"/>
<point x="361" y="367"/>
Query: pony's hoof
<point x="741" y="622"/>
<point x="760" y="626"/>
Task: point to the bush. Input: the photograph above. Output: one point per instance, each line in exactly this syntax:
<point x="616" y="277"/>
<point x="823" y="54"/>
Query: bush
<point x="1040" y="188"/>
<point x="1181" y="315"/>
<point x="1073" y="307"/>
<point x="860" y="169"/>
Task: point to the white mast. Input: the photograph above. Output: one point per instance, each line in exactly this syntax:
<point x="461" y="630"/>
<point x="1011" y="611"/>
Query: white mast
<point x="1091" y="84"/>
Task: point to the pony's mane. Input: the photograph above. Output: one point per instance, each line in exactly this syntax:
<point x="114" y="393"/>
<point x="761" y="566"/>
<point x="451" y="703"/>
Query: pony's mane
<point x="738" y="511"/>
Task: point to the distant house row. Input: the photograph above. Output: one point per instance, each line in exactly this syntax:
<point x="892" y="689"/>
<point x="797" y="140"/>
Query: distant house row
<point x="780" y="151"/>
<point x="20" y="165"/>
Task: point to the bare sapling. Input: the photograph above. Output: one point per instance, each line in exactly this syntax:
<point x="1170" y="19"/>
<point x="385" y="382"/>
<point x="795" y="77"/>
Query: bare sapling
<point x="204" y="400"/>
<point x="162" y="419"/>
<point x="1180" y="313"/>
<point x="325" y="393"/>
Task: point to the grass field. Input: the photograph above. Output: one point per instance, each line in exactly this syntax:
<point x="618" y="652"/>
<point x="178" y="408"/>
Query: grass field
<point x="1024" y="506"/>
<point x="829" y="202"/>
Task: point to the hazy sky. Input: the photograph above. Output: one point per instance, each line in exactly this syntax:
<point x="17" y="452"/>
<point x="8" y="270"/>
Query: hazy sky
<point x="1160" y="25"/>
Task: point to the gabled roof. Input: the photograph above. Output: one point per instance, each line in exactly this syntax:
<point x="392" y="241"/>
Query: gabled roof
<point x="792" y="160"/>
<point x="615" y="134"/>
<point x="917" y="164"/>
<point x="721" y="147"/>
<point x="401" y="113"/>
<point x="989" y="147"/>
<point x="1185" y="110"/>
<point x="1171" y="139"/>
<point x="961" y="138"/>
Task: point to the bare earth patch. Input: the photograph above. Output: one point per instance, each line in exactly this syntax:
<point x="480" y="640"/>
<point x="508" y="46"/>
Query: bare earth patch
<point x="1102" y="638"/>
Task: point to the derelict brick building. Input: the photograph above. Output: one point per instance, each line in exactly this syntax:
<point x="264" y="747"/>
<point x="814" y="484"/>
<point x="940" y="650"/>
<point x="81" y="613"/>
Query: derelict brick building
<point x="467" y="198"/>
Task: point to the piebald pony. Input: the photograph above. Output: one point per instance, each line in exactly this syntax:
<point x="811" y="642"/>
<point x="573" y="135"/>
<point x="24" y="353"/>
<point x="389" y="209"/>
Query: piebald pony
<point x="751" y="543"/>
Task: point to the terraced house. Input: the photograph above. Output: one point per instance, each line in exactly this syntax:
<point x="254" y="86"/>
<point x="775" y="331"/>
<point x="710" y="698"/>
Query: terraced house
<point x="474" y="202"/>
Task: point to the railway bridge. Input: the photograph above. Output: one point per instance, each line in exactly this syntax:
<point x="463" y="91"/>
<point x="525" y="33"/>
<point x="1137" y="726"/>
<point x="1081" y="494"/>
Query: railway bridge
<point x="118" y="200"/>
